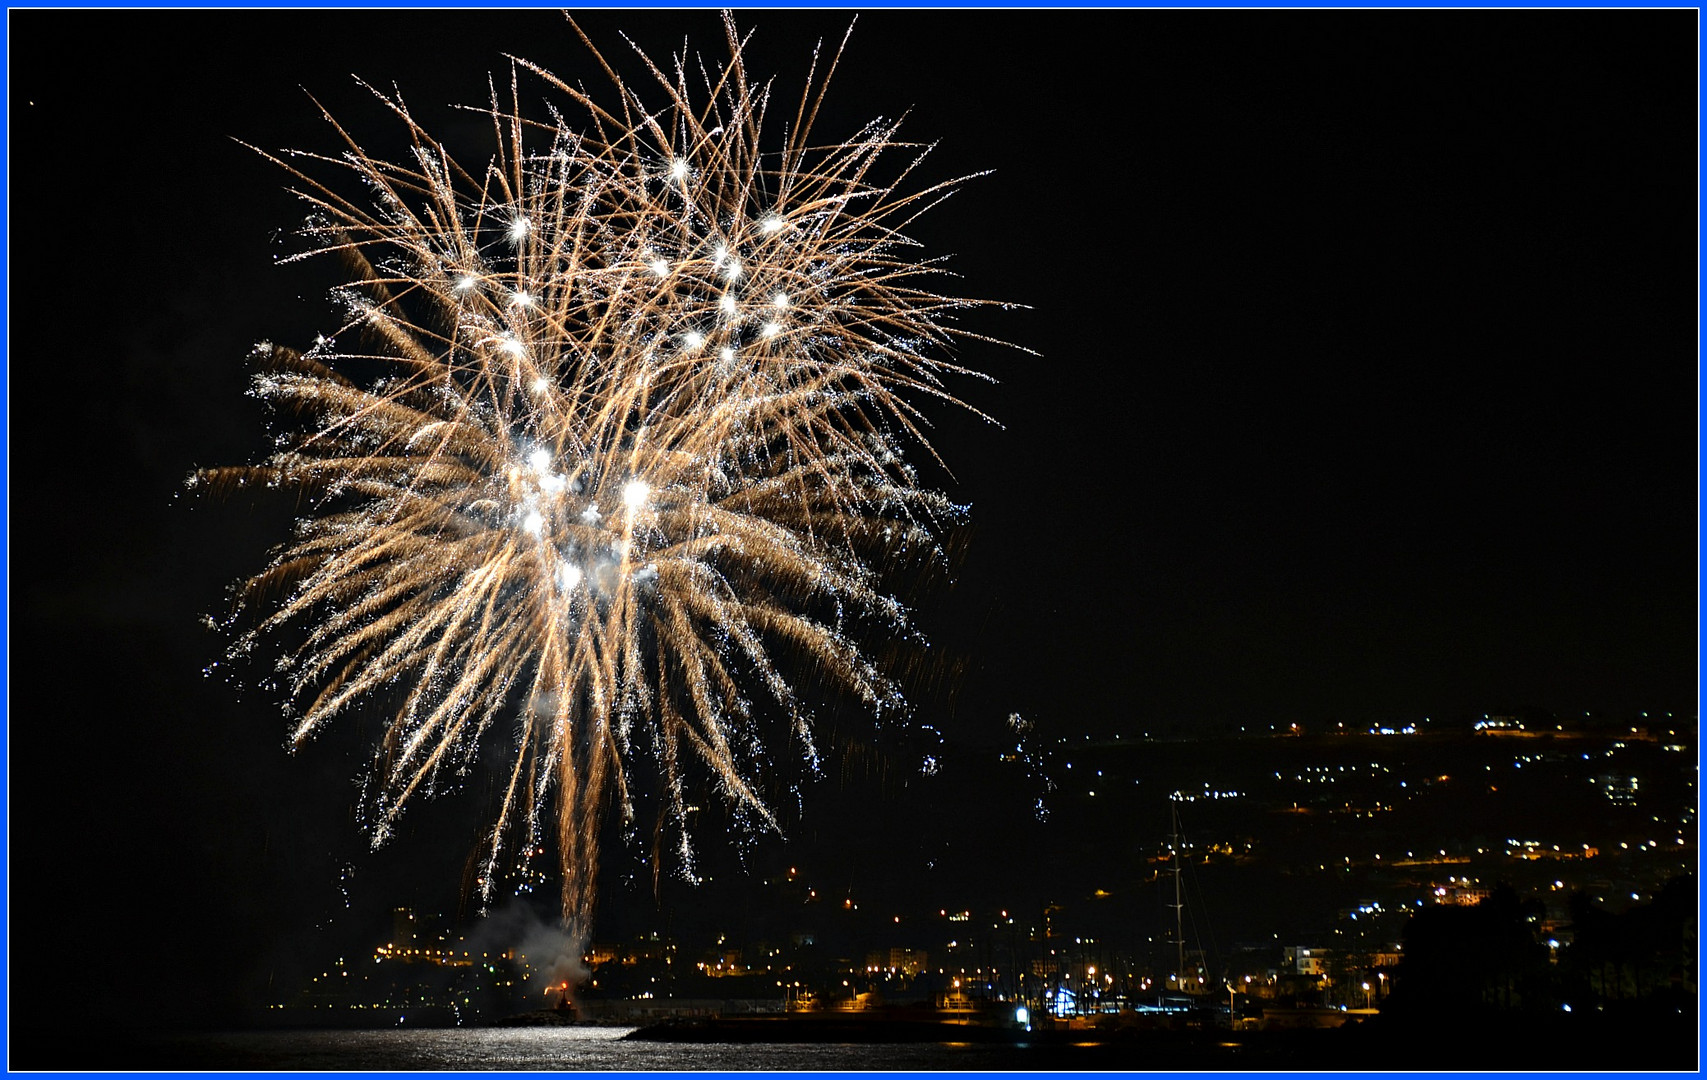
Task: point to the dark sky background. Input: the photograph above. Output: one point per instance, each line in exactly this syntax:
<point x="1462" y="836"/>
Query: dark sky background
<point x="1367" y="389"/>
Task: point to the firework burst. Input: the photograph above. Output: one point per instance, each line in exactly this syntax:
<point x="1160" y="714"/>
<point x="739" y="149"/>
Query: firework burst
<point x="629" y="438"/>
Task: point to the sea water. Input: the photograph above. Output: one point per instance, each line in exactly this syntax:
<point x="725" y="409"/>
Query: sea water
<point x="558" y="1049"/>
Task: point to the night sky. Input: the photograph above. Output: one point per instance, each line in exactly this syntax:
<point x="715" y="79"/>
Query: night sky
<point x="1366" y="388"/>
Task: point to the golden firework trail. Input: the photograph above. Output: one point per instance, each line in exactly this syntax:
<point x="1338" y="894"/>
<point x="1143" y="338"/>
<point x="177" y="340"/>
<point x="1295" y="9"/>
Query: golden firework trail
<point x="629" y="447"/>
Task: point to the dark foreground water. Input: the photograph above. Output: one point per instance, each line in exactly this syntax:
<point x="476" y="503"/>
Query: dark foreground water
<point x="553" y="1049"/>
<point x="1445" y="1043"/>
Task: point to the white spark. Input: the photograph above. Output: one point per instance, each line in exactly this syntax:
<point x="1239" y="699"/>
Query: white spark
<point x="568" y="575"/>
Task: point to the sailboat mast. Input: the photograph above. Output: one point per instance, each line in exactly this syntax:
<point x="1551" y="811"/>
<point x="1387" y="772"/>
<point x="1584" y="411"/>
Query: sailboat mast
<point x="1179" y="906"/>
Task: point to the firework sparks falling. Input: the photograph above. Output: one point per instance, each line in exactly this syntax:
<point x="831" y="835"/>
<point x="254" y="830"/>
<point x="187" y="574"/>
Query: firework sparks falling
<point x="635" y="445"/>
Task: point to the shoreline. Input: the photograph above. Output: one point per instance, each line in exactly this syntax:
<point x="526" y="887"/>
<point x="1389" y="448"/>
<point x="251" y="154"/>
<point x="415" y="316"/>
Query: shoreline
<point x="1608" y="1043"/>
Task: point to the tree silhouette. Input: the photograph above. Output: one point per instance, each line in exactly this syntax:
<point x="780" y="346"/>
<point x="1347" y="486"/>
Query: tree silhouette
<point x="1646" y="952"/>
<point x="1484" y="958"/>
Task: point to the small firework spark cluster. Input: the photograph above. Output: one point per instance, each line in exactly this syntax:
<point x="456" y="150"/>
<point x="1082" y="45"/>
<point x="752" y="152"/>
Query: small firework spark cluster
<point x="628" y="448"/>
